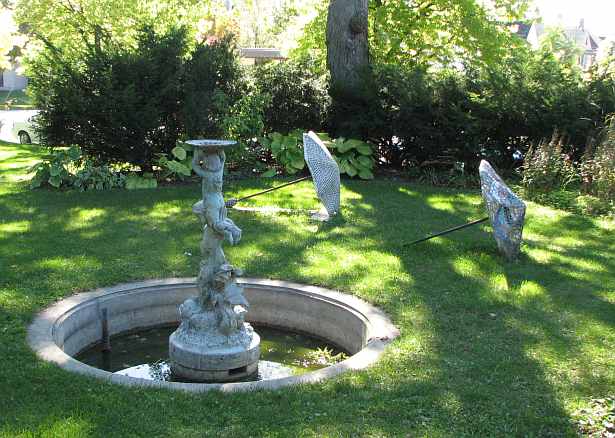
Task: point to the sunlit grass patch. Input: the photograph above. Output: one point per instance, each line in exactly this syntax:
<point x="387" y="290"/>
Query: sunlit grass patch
<point x="487" y="347"/>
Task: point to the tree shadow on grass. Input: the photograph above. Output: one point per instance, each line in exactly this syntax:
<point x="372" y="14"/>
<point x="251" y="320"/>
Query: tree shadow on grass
<point x="479" y="336"/>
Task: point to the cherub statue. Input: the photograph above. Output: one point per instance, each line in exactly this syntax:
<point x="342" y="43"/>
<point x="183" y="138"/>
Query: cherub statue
<point x="216" y="277"/>
<point x="210" y="168"/>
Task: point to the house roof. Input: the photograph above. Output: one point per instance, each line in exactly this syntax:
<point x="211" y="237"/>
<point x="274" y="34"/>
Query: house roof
<point x="520" y="28"/>
<point x="260" y="53"/>
<point x="582" y="38"/>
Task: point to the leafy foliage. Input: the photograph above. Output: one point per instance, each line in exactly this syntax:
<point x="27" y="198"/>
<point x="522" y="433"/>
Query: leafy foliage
<point x="67" y="167"/>
<point x="286" y="149"/>
<point x="57" y="170"/>
<point x="550" y="176"/>
<point x="91" y="177"/>
<point x="415" y="116"/>
<point x="436" y="32"/>
<point x="244" y="123"/>
<point x="598" y="166"/>
<point x="179" y="165"/>
<point x="75" y="28"/>
<point x="547" y="167"/>
<point x="299" y="97"/>
<point x="354" y="157"/>
<point x="213" y="83"/>
<point x="122" y="106"/>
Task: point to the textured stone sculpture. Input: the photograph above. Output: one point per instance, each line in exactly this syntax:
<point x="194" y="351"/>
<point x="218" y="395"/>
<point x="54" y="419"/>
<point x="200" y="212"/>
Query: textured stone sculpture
<point x="506" y="211"/>
<point x="213" y="341"/>
<point x="325" y="172"/>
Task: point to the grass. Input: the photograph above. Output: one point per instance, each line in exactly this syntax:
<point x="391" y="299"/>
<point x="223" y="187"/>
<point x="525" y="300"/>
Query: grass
<point x="487" y="348"/>
<point x="15" y="161"/>
<point x="18" y="100"/>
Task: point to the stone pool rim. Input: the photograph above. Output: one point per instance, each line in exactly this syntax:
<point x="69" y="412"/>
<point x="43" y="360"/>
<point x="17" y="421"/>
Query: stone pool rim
<point x="379" y="332"/>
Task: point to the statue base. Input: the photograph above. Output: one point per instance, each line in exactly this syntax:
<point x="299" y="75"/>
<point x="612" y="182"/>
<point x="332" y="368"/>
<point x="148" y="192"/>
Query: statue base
<point x="199" y="363"/>
<point x="200" y="350"/>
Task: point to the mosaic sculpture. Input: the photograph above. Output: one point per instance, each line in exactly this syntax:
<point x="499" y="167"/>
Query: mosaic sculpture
<point x="506" y="211"/>
<point x="325" y="172"/>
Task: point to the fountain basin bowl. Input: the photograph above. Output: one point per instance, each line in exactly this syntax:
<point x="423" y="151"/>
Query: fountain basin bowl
<point x="75" y="323"/>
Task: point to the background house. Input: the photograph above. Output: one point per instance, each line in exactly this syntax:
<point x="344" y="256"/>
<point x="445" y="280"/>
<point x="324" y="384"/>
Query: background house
<point x="10" y="79"/>
<point x="588" y="43"/>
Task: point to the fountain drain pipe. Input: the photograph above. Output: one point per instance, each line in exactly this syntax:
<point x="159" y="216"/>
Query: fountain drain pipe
<point x="106" y="340"/>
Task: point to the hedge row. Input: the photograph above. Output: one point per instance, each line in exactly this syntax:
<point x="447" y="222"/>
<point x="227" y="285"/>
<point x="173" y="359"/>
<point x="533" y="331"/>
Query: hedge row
<point x="122" y="105"/>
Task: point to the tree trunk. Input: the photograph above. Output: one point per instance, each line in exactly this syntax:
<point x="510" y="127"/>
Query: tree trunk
<point x="347" y="47"/>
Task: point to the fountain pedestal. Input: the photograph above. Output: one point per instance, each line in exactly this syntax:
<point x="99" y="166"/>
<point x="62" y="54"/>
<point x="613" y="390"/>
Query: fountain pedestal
<point x="213" y="342"/>
<point x="197" y="359"/>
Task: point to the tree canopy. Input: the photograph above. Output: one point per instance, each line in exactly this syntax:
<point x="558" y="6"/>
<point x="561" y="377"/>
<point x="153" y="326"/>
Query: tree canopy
<point x="73" y="26"/>
<point x="435" y="32"/>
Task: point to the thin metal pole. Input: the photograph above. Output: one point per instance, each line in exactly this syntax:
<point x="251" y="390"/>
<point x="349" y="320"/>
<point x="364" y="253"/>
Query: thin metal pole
<point x="233" y="201"/>
<point x="106" y="340"/>
<point x="442" y="233"/>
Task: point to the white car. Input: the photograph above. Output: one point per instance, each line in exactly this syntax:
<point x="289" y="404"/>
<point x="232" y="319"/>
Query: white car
<point x="22" y="128"/>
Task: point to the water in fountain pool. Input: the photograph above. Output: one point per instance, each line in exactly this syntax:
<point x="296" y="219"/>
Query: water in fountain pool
<point x="144" y="354"/>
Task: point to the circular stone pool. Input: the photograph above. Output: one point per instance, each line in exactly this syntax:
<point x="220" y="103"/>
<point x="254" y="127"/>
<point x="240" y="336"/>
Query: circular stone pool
<point x="61" y="332"/>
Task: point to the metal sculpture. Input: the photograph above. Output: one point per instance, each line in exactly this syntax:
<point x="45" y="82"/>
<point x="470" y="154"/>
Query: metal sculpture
<point x="324" y="172"/>
<point x="506" y="211"/>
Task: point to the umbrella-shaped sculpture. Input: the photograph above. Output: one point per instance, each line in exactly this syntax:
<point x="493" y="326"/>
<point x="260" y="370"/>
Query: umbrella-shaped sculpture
<point x="324" y="171"/>
<point x="506" y="213"/>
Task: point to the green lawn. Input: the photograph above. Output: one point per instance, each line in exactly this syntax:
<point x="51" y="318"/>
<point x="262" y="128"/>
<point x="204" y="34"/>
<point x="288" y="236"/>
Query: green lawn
<point x="487" y="348"/>
<point x="18" y="98"/>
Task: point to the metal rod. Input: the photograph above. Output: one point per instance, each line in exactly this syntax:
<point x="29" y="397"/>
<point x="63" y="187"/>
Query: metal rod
<point x="233" y="201"/>
<point x="442" y="233"/>
<point x="106" y="340"/>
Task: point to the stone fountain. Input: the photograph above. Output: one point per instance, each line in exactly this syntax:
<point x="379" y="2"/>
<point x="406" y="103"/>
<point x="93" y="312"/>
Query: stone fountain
<point x="213" y="342"/>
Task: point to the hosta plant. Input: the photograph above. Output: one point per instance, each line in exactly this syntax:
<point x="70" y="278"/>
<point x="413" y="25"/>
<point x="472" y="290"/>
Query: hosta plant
<point x="286" y="149"/>
<point x="91" y="177"/>
<point x="179" y="166"/>
<point x="354" y="157"/>
<point x="57" y="170"/>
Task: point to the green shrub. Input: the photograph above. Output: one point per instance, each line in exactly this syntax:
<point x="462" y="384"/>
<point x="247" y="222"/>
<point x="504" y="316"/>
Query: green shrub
<point x="598" y="165"/>
<point x="414" y="115"/>
<point x="546" y="168"/>
<point x="68" y="167"/>
<point x="119" y="104"/>
<point x="213" y="83"/>
<point x="445" y="174"/>
<point x="299" y="97"/>
<point x="244" y="123"/>
<point x="354" y="157"/>
<point x="177" y="167"/>
<point x="91" y="177"/>
<point x="594" y="206"/>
